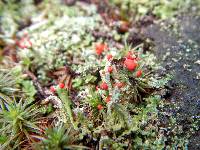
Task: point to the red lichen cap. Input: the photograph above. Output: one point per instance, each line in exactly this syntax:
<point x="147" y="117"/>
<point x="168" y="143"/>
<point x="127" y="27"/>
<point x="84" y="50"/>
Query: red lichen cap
<point x="52" y="89"/>
<point x="100" y="47"/>
<point x="139" y="73"/>
<point x="104" y="86"/>
<point x="109" y="57"/>
<point x="24" y="42"/>
<point x="130" y="64"/>
<point x="110" y="69"/>
<point x="119" y="84"/>
<point x="130" y="55"/>
<point x="108" y="99"/>
<point x="61" y="85"/>
<point x="100" y="107"/>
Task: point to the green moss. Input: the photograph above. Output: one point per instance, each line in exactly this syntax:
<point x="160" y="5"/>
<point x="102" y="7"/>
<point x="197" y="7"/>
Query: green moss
<point x="64" y="37"/>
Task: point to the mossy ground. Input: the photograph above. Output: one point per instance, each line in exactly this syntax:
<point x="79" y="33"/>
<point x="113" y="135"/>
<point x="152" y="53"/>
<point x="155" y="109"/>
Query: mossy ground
<point x="54" y="62"/>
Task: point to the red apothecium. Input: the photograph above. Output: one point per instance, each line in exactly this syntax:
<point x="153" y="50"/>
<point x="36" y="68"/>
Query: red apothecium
<point x="130" y="64"/>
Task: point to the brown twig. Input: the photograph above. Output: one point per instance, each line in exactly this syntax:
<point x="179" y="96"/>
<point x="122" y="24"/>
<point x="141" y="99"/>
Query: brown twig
<point x="36" y="84"/>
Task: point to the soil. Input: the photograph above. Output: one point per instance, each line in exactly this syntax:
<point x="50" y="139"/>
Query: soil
<point x="177" y="47"/>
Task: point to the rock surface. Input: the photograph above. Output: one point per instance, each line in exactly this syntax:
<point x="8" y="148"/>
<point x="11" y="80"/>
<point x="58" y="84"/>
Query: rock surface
<point x="177" y="47"/>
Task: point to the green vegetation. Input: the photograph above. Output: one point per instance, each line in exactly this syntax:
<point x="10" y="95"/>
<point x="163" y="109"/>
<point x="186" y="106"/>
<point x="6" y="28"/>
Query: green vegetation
<point x="18" y="123"/>
<point x="67" y="88"/>
<point x="58" y="138"/>
<point x="162" y="9"/>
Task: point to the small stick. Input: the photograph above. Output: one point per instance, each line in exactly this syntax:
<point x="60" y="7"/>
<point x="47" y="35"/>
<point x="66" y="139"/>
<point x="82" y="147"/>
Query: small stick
<point x="36" y="83"/>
